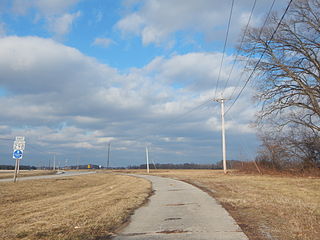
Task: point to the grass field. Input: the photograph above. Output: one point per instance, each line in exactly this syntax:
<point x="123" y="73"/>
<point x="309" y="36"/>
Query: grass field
<point x="266" y="207"/>
<point x="82" y="207"/>
<point x="24" y="173"/>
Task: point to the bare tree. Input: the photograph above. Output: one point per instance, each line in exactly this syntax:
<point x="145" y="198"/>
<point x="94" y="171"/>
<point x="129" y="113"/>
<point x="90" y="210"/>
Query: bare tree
<point x="273" y="153"/>
<point x="303" y="146"/>
<point x="289" y="72"/>
<point x="297" y="148"/>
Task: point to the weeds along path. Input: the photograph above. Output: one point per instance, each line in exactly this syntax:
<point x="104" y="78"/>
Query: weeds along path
<point x="178" y="210"/>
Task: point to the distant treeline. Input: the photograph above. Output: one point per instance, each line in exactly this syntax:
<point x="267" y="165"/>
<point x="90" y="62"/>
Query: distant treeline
<point x="22" y="167"/>
<point x="230" y="165"/>
<point x="217" y="165"/>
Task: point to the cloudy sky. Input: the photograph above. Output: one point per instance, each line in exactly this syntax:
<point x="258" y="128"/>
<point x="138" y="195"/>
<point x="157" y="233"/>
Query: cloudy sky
<point x="78" y="74"/>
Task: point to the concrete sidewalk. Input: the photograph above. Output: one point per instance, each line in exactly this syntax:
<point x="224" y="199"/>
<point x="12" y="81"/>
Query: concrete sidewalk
<point x="179" y="210"/>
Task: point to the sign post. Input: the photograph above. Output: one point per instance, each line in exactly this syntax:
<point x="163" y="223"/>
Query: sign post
<point x="18" y="148"/>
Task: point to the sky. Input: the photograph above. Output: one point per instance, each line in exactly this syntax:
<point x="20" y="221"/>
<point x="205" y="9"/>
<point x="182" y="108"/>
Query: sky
<point x="77" y="75"/>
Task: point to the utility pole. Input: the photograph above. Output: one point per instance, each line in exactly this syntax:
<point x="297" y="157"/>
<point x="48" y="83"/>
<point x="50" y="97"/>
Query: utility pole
<point x="109" y="146"/>
<point x="147" y="157"/>
<point x="66" y="164"/>
<point x="221" y="100"/>
<point x="78" y="157"/>
<point x="54" y="161"/>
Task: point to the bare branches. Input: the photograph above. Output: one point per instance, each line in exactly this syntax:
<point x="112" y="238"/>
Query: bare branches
<point x="288" y="80"/>
<point x="289" y="72"/>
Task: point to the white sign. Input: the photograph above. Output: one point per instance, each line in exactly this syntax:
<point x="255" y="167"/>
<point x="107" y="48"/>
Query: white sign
<point x="17" y="154"/>
<point x="20" y="138"/>
<point x="19" y="143"/>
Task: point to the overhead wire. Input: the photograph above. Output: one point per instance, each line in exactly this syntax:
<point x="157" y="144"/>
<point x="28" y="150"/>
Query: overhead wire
<point x="241" y="43"/>
<point x="221" y="64"/>
<point x="258" y="62"/>
<point x="224" y="48"/>
<point x="190" y="111"/>
<point x="250" y="55"/>
<point x="197" y="107"/>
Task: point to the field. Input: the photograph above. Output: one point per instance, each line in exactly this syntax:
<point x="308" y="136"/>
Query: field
<point x="94" y="206"/>
<point x="24" y="173"/>
<point x="266" y="207"/>
<point x="82" y="207"/>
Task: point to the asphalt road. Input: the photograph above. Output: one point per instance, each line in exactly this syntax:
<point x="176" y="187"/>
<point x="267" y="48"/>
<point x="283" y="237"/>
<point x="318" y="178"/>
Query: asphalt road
<point x="65" y="174"/>
<point x="178" y="210"/>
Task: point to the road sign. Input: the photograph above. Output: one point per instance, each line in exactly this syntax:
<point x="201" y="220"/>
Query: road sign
<point x="18" y="148"/>
<point x="20" y="138"/>
<point x="17" y="154"/>
<point x="19" y="143"/>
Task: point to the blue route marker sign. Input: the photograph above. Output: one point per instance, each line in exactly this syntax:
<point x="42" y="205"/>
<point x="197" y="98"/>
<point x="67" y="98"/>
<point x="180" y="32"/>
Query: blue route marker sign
<point x="17" y="154"/>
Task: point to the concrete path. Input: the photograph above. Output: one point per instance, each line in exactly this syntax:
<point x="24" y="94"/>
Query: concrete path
<point x="65" y="174"/>
<point x="179" y="210"/>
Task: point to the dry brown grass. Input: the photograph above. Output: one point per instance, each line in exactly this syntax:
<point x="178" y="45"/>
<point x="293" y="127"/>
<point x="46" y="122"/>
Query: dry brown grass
<point x="25" y="173"/>
<point x="82" y="207"/>
<point x="266" y="207"/>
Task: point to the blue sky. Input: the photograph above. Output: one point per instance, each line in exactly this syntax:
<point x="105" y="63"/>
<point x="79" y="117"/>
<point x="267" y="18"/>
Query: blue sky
<point x="78" y="74"/>
<point x="97" y="19"/>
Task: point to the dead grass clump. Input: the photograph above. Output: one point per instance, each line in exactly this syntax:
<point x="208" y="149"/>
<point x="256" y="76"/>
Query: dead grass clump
<point x="81" y="207"/>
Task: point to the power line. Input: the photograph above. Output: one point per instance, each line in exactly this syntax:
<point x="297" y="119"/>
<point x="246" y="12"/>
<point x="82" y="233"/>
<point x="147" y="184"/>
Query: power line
<point x="190" y="111"/>
<point x="224" y="48"/>
<point x="256" y="65"/>
<point x="250" y="55"/>
<point x="241" y="43"/>
<point x="221" y="64"/>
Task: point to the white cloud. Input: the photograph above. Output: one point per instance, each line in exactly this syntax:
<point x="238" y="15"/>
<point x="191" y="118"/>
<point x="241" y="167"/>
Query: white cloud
<point x="62" y="25"/>
<point x="55" y="12"/>
<point x="35" y="65"/>
<point x="131" y="23"/>
<point x="61" y="99"/>
<point x="157" y="20"/>
<point x="49" y="7"/>
<point x="103" y="42"/>
<point x="21" y="7"/>
<point x="45" y="7"/>
<point x="193" y="71"/>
